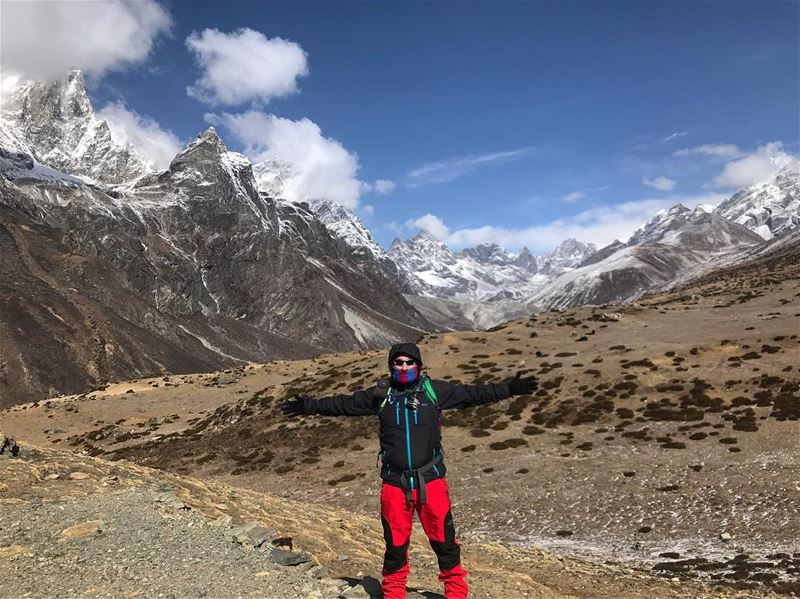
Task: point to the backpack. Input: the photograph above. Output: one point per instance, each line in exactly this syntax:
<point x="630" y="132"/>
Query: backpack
<point x="382" y="391"/>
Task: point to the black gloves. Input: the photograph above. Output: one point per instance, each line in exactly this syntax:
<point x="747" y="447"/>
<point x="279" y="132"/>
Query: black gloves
<point x="520" y="386"/>
<point x="293" y="407"/>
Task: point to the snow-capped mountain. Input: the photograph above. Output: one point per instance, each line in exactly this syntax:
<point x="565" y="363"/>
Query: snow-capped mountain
<point x="111" y="270"/>
<point x="346" y="226"/>
<point x="183" y="270"/>
<point x="272" y="176"/>
<point x="770" y="208"/>
<point x="483" y="273"/>
<point x="55" y="124"/>
<point x="671" y="243"/>
<point x="566" y="256"/>
<point x="664" y="222"/>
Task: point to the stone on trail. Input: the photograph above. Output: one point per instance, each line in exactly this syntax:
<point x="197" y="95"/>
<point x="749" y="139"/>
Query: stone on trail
<point x="251" y="534"/>
<point x="84" y="529"/>
<point x="288" y="558"/>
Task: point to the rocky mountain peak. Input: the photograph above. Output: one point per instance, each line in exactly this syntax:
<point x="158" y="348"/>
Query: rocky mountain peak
<point x="63" y="98"/>
<point x="567" y="255"/>
<point x="56" y="122"/>
<point x="208" y="172"/>
<point x="207" y="156"/>
<point x="487" y="253"/>
<point x="346" y="226"/>
<point x="663" y="222"/>
<point x="207" y="145"/>
<point x="421" y="252"/>
<point x="74" y="97"/>
<point x="527" y="261"/>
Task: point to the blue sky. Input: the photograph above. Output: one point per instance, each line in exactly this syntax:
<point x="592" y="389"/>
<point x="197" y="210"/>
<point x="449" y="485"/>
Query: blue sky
<point x="519" y="123"/>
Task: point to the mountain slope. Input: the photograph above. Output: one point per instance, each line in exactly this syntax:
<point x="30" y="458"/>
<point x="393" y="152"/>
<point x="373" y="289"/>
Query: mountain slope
<point x="650" y="430"/>
<point x="670" y="244"/>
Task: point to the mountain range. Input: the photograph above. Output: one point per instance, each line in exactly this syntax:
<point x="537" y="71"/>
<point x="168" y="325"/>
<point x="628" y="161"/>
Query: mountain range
<point x="112" y="270"/>
<point x="183" y="270"/>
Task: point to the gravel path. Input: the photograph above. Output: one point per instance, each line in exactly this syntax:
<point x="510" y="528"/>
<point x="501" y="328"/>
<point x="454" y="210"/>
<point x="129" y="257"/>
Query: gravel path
<point x="132" y="543"/>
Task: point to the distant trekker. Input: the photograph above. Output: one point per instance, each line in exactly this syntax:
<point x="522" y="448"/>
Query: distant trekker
<point x="409" y="405"/>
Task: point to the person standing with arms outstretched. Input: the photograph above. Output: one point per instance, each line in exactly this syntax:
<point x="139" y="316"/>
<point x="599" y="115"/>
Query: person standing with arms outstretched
<point x="409" y="405"/>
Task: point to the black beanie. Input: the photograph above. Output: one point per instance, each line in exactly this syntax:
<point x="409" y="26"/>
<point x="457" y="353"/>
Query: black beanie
<point x="405" y="349"/>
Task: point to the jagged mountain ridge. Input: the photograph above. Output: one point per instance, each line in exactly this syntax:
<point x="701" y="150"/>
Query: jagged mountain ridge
<point x="55" y="123"/>
<point x="679" y="244"/>
<point x="183" y="270"/>
<point x="483" y="273"/>
<point x="487" y="273"/>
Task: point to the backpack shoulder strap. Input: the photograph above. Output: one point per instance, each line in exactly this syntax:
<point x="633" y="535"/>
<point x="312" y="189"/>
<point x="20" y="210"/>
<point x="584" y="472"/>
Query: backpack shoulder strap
<point x="383" y="391"/>
<point x="428" y="387"/>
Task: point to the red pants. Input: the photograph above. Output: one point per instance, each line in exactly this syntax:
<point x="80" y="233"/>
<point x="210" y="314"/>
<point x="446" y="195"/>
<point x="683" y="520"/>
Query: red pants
<point x="437" y="522"/>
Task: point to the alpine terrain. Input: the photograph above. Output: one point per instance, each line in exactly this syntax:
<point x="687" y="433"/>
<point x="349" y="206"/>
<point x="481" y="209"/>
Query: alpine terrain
<point x="113" y="271"/>
<point x="651" y="462"/>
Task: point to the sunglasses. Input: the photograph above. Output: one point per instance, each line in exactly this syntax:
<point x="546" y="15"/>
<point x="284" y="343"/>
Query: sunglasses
<point x="403" y="362"/>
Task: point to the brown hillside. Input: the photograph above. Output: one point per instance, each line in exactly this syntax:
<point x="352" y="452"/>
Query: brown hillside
<point x="660" y="430"/>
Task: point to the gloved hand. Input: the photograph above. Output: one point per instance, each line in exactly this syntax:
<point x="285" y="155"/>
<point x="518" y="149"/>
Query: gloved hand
<point x="520" y="386"/>
<point x="293" y="407"/>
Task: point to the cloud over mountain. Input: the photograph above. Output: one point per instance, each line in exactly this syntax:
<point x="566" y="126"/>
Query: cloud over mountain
<point x="45" y="39"/>
<point x="600" y="225"/>
<point x="321" y="167"/>
<point x="758" y="166"/>
<point x="157" y="146"/>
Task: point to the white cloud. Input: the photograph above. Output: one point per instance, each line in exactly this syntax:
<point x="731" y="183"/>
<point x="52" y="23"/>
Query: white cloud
<point x="321" y="167"/>
<point x="384" y="186"/>
<point x="600" y="225"/>
<point x="719" y="150"/>
<point x="754" y="168"/>
<point x="244" y="66"/>
<point x="155" y="145"/>
<point x="660" y="183"/>
<point x="573" y="196"/>
<point x="675" y="135"/>
<point x="45" y="39"/>
<point x="431" y="224"/>
<point x="367" y="209"/>
<point x="448" y="170"/>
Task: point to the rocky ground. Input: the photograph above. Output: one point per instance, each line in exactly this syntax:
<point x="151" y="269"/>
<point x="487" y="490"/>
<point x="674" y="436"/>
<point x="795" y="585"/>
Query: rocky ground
<point x="663" y="439"/>
<point x="75" y="526"/>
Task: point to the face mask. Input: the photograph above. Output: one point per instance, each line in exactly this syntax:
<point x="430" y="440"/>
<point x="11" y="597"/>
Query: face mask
<point x="405" y="377"/>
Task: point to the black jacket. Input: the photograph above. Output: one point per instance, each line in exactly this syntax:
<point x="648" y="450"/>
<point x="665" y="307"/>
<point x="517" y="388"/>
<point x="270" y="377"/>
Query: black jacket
<point x="410" y="424"/>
